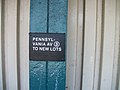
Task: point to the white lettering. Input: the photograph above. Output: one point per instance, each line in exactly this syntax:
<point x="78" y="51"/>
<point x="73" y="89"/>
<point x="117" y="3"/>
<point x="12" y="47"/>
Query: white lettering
<point x="55" y="49"/>
<point x="49" y="44"/>
<point x="42" y="39"/>
<point x="43" y="48"/>
<point x="35" y="48"/>
<point x="39" y="44"/>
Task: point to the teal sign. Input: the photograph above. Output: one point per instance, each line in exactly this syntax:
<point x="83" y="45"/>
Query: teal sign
<point x="48" y="16"/>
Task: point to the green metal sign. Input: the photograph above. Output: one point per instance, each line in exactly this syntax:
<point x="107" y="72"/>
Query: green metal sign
<point x="48" y="16"/>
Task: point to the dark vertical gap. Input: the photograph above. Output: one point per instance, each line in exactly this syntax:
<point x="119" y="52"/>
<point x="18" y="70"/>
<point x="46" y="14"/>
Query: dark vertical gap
<point x="18" y="44"/>
<point x="118" y="69"/>
<point x="3" y="42"/>
<point x="46" y="75"/>
<point x="102" y="42"/>
<point x="84" y="2"/>
<point x="118" y="65"/>
<point x="47" y="32"/>
<point x="47" y="16"/>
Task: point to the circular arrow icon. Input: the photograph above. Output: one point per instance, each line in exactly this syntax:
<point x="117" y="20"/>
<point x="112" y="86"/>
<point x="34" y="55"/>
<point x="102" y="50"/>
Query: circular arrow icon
<point x="56" y="44"/>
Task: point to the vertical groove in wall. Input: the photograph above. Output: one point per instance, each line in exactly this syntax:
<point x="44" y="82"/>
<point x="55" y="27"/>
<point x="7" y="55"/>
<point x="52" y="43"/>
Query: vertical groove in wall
<point x="118" y="70"/>
<point x="118" y="27"/>
<point x="1" y="72"/>
<point x="47" y="16"/>
<point x="79" y="45"/>
<point x="115" y="57"/>
<point x="98" y="43"/>
<point x="3" y="43"/>
<point x="83" y="43"/>
<point x="108" y="48"/>
<point x="118" y="73"/>
<point x="18" y="44"/>
<point x="102" y="39"/>
<point x="47" y="32"/>
<point x="82" y="62"/>
<point x="118" y="78"/>
<point x="114" y="85"/>
<point x="89" y="44"/>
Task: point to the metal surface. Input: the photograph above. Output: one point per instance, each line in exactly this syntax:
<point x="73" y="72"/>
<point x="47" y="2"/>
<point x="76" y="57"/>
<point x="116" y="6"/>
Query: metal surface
<point x="100" y="72"/>
<point x="38" y="23"/>
<point x="37" y="75"/>
<point x="48" y="17"/>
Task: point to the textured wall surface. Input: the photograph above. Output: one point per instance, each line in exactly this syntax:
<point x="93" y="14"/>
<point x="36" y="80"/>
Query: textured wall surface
<point x="48" y="16"/>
